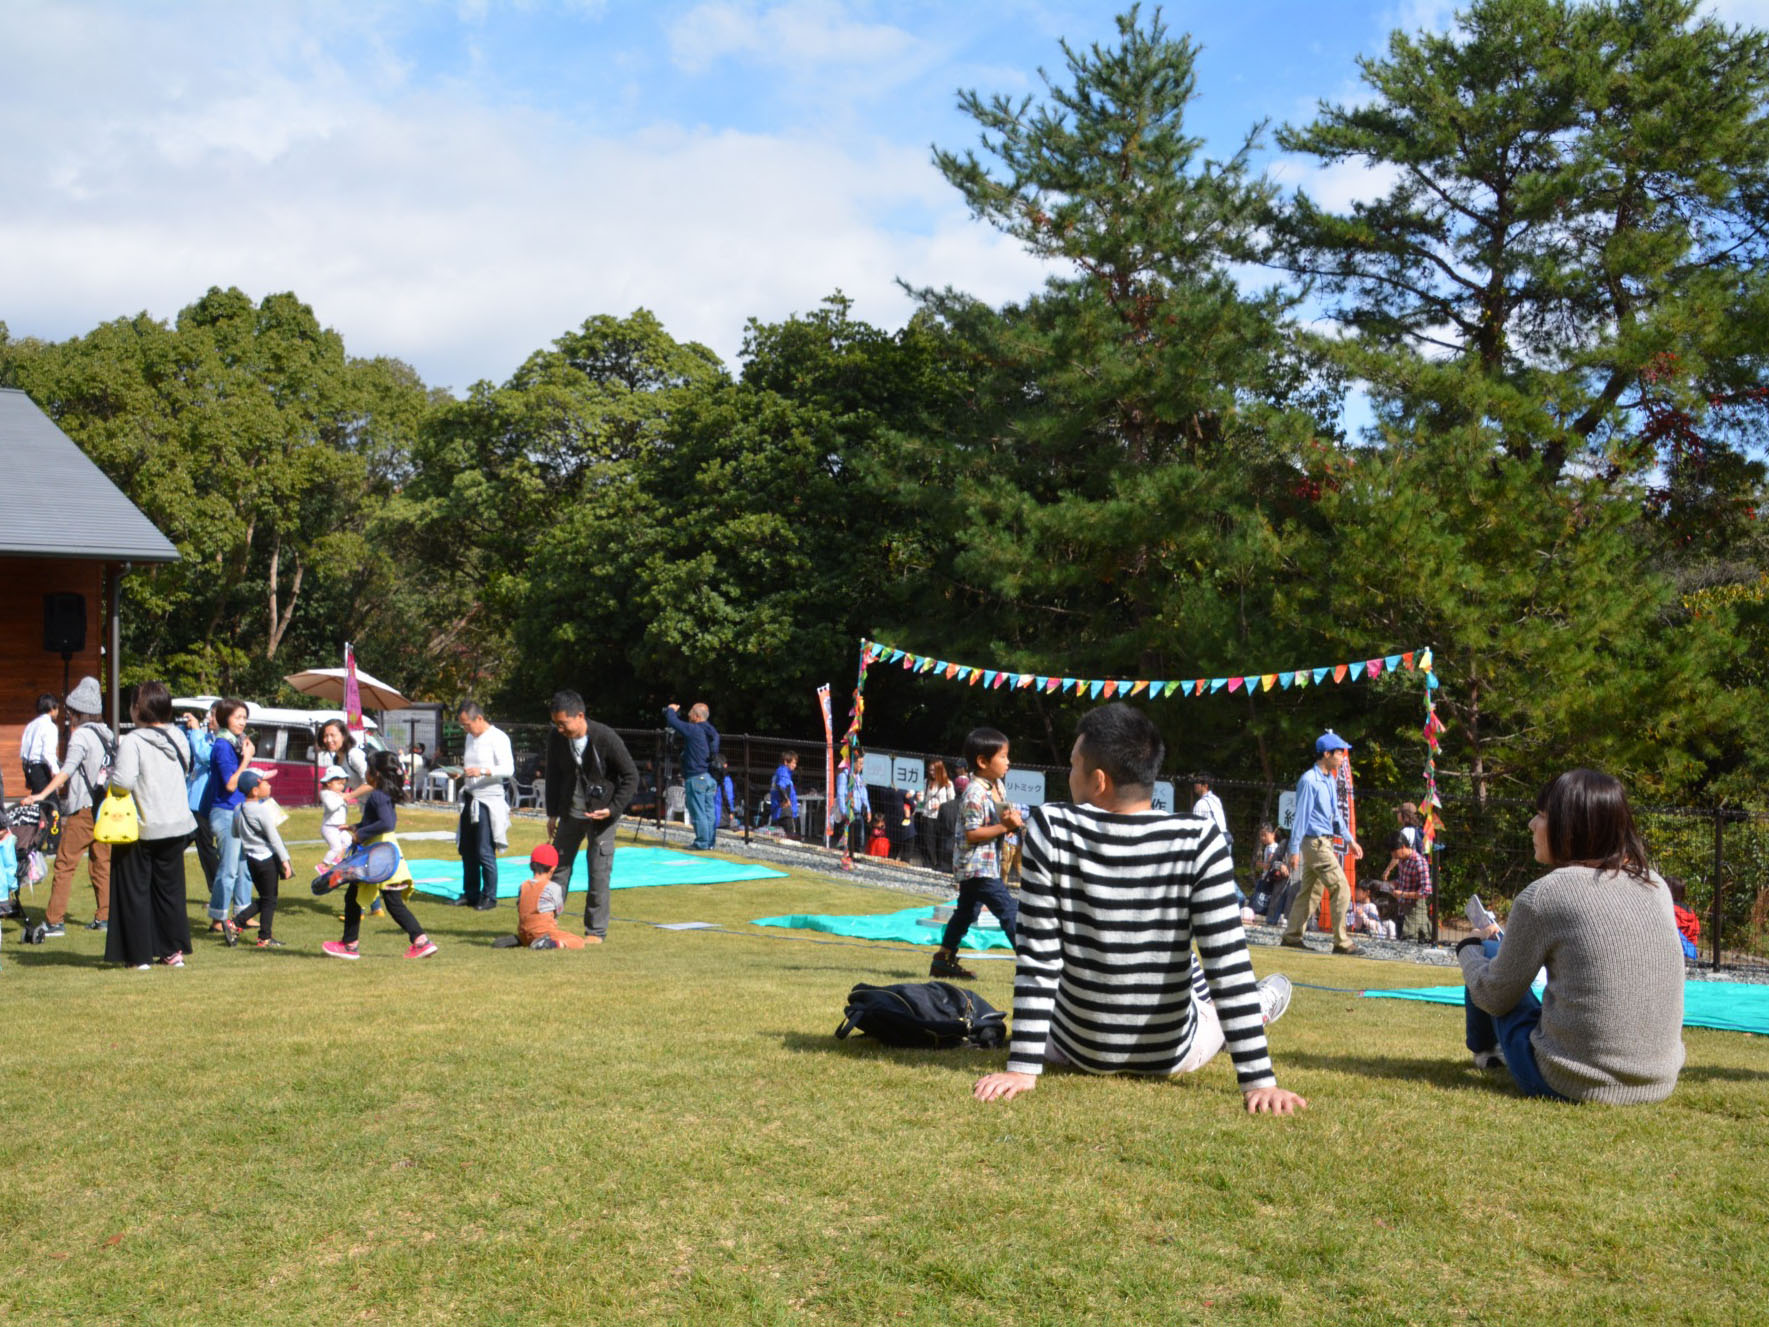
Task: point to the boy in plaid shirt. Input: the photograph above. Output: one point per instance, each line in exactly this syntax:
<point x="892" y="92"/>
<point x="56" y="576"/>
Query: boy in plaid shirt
<point x="985" y="817"/>
<point x="1411" y="889"/>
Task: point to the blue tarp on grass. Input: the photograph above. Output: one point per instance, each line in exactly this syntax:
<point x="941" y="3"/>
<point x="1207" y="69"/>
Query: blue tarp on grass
<point x="635" y="867"/>
<point x="1727" y="1005"/>
<point x="902" y="926"/>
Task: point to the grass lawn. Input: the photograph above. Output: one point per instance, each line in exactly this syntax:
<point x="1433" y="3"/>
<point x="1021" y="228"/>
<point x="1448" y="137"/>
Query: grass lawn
<point x="665" y="1130"/>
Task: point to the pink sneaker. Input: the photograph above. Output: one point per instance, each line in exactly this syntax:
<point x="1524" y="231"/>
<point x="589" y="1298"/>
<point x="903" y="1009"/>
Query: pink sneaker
<point x="338" y="949"/>
<point x="423" y="949"/>
<point x="174" y="960"/>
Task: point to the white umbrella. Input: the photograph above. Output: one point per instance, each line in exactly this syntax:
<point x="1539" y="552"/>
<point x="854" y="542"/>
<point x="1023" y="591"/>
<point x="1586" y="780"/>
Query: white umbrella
<point x="328" y="684"/>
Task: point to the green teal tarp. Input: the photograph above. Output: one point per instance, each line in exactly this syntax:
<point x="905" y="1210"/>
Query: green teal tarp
<point x="902" y="926"/>
<point x="1728" y="1005"/>
<point x="636" y="866"/>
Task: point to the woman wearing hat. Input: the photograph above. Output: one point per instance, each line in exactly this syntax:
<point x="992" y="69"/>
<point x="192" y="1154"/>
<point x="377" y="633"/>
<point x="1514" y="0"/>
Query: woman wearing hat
<point x="149" y="920"/>
<point x="91" y="748"/>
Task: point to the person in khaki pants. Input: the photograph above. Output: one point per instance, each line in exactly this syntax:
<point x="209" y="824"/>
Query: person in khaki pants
<point x="83" y="775"/>
<point x="1315" y="837"/>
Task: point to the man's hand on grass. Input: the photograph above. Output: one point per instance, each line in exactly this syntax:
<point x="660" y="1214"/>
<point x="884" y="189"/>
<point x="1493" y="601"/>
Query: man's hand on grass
<point x="1003" y="1086"/>
<point x="1272" y="1101"/>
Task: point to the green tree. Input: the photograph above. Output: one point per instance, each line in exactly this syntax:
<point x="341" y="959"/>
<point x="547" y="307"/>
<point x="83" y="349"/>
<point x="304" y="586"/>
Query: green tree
<point x="1116" y="491"/>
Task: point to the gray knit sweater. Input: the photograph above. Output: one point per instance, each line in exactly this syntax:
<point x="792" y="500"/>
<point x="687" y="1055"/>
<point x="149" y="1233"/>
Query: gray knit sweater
<point x="1612" y="1014"/>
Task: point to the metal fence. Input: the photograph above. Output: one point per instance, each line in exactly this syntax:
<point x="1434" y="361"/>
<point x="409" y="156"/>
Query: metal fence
<point x="1720" y="856"/>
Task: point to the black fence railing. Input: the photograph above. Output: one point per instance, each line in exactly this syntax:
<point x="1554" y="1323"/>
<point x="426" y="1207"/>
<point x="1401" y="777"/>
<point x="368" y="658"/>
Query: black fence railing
<point x="1721" y="857"/>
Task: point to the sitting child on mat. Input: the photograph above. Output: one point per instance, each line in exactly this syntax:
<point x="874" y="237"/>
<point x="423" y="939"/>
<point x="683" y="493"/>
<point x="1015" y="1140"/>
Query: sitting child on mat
<point x="539" y="904"/>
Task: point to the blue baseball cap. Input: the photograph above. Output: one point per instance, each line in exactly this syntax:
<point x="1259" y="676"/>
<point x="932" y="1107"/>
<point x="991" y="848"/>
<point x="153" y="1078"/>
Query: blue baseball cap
<point x="1330" y="741"/>
<point x="249" y="780"/>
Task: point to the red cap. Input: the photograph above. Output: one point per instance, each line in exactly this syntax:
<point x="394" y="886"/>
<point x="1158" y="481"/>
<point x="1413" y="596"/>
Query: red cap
<point x="545" y="857"/>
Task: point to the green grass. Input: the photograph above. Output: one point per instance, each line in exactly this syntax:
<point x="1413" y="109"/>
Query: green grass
<point x="665" y="1130"/>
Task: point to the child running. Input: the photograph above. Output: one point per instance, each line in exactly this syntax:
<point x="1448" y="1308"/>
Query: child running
<point x="267" y="860"/>
<point x="985" y="818"/>
<point x="539" y="904"/>
<point x="379" y="818"/>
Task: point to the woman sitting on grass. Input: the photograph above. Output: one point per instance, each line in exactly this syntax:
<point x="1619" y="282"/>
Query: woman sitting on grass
<point x="1609" y="1026"/>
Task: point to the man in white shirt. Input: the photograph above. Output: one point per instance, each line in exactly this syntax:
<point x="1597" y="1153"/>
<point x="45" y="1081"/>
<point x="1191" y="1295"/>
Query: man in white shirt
<point x="37" y="748"/>
<point x="485" y="808"/>
<point x="1209" y="805"/>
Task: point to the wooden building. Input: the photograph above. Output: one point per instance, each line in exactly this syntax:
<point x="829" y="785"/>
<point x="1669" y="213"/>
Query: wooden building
<point x="67" y="534"/>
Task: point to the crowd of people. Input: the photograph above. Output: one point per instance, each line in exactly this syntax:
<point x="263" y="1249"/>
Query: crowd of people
<point x="1127" y="926"/>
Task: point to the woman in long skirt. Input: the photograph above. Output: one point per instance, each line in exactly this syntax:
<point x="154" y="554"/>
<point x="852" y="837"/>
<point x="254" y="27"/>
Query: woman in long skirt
<point x="148" y="917"/>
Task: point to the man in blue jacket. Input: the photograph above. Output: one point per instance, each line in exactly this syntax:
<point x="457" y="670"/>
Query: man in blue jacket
<point x="700" y="753"/>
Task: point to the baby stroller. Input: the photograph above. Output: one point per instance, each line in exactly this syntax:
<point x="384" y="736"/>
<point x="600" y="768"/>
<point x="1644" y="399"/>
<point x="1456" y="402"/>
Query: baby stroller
<point x="370" y="864"/>
<point x="26" y="824"/>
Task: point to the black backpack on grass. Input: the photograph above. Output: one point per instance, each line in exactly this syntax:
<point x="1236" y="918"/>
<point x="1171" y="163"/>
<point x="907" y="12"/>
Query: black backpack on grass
<point x="929" y="1015"/>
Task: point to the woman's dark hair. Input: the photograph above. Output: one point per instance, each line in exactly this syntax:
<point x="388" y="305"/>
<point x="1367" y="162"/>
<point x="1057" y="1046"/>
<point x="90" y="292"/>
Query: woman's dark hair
<point x="46" y="703"/>
<point x="343" y="732"/>
<point x="1124" y="743"/>
<point x="153" y="703"/>
<point x="1675" y="884"/>
<point x="982" y="744"/>
<point x="385" y="774"/>
<point x="937" y="775"/>
<point x="1589" y="821"/>
<point x="225" y="709"/>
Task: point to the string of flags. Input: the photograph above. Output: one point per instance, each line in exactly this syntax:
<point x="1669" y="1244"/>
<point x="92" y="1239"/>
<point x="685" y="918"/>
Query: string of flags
<point x="1104" y="688"/>
<point x="876" y="653"/>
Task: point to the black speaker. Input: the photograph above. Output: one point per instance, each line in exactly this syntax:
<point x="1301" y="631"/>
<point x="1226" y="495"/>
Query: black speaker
<point x="64" y="623"/>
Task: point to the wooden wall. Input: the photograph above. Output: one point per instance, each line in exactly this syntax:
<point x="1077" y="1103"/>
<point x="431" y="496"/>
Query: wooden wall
<point x="26" y="669"/>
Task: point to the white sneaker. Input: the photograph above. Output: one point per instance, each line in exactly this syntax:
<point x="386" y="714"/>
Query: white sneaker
<point x="1274" y="997"/>
<point x="1488" y="1060"/>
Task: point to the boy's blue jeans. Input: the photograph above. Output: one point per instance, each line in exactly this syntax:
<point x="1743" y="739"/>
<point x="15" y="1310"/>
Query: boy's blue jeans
<point x="1510" y="1033"/>
<point x="973" y="895"/>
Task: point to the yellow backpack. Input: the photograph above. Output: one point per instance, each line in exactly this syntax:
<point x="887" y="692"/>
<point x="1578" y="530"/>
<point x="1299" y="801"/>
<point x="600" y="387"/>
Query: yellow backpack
<point x="117" y="820"/>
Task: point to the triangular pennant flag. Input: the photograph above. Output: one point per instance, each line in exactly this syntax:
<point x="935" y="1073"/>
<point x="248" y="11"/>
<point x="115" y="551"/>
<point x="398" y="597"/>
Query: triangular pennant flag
<point x="1068" y="685"/>
<point x="976" y="675"/>
<point x="1155" y="690"/>
<point x="1287" y="678"/>
<point x="1319" y="673"/>
<point x="895" y="655"/>
<point x="1339" y="673"/>
<point x="1111" y="690"/>
<point x="1094" y="688"/>
<point x="1373" y="667"/>
<point x="1407" y="660"/>
<point x="1425" y="660"/>
<point x="1138" y="687"/>
<point x="989" y="678"/>
<point x="1051" y="684"/>
<point x="963" y="674"/>
<point x="1022" y="681"/>
<point x="1038" y="683"/>
<point x="1234" y="683"/>
<point x="1392" y="662"/>
<point x="1267" y="682"/>
<point x="948" y="669"/>
<point x="908" y="661"/>
<point x="1000" y="680"/>
<point x="1217" y="684"/>
<point x="1431" y="681"/>
<point x="1198" y="687"/>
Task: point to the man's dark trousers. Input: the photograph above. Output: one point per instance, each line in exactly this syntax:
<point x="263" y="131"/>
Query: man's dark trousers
<point x="479" y="859"/>
<point x="572" y="834"/>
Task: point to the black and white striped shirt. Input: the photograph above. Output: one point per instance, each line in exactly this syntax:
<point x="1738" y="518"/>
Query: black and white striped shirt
<point x="1110" y="906"/>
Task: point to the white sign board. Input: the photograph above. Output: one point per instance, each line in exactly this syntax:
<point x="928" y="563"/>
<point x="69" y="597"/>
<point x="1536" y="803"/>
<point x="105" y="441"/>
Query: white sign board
<point x="907" y="773"/>
<point x="1286" y="811"/>
<point x="1025" y="787"/>
<point x="1163" y="798"/>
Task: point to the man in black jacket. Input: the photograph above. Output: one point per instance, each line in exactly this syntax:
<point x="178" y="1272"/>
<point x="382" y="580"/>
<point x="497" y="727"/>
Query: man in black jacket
<point x="591" y="780"/>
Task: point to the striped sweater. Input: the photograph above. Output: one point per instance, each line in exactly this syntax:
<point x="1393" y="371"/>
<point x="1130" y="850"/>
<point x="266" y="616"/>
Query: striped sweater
<point x="1110" y="905"/>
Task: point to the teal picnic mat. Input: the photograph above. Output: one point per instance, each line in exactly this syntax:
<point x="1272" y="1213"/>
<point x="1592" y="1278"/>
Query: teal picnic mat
<point x="903" y="926"/>
<point x="1727" y="1005"/>
<point x="635" y="867"/>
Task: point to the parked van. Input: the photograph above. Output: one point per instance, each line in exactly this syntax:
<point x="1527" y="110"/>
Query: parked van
<point x="287" y="742"/>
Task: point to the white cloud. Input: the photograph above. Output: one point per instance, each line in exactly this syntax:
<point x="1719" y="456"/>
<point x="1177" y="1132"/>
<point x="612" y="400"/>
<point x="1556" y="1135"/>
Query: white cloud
<point x="423" y="224"/>
<point x="1335" y="185"/>
<point x="796" y="33"/>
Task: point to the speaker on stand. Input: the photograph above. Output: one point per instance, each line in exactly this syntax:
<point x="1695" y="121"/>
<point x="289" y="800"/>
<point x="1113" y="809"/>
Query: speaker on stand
<point x="64" y="632"/>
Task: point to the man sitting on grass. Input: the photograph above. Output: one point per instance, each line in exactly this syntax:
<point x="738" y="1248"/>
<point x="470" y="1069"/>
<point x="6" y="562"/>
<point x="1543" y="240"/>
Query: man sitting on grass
<point x="1113" y="896"/>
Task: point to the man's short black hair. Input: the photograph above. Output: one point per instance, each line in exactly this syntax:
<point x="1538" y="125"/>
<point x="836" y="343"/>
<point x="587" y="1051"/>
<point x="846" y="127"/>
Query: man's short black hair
<point x="47" y="702"/>
<point x="1204" y="777"/>
<point x="566" y="702"/>
<point x="1398" y="840"/>
<point x="982" y="744"/>
<point x="1123" y="742"/>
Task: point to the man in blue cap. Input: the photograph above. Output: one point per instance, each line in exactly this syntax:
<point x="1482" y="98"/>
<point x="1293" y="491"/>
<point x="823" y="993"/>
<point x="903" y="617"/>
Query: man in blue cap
<point x="1317" y="838"/>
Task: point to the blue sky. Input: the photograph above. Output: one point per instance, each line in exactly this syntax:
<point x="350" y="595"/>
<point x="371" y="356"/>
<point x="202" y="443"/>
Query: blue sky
<point x="456" y="184"/>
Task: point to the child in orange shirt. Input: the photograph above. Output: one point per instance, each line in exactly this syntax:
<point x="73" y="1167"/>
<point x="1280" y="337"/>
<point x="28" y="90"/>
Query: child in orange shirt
<point x="539" y="904"/>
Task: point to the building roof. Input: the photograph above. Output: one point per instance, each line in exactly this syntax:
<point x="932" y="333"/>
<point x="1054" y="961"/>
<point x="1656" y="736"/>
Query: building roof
<point x="55" y="503"/>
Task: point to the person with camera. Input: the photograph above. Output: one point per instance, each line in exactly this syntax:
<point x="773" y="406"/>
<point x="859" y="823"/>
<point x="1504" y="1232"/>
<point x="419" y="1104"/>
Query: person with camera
<point x="702" y="767"/>
<point x="485" y="807"/>
<point x="591" y="780"/>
